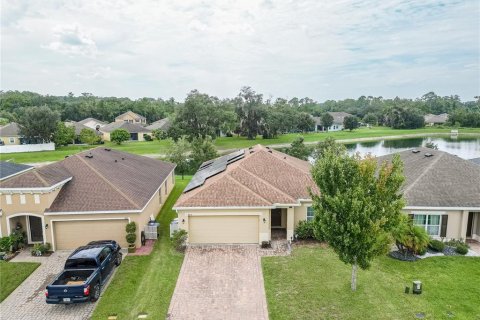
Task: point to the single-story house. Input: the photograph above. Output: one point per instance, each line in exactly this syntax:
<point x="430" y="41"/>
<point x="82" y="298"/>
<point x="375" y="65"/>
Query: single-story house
<point x="88" y="196"/>
<point x="433" y="119"/>
<point x="136" y="131"/>
<point x="442" y="193"/>
<point x="337" y="124"/>
<point x="92" y="123"/>
<point x="79" y="127"/>
<point x="162" y="124"/>
<point x="248" y="196"/>
<point x="131" y="117"/>
<point x="10" y="134"/>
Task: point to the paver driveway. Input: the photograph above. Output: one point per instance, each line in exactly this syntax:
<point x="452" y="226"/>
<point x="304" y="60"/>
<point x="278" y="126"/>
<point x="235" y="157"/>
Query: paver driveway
<point x="220" y="282"/>
<point x="27" y="302"/>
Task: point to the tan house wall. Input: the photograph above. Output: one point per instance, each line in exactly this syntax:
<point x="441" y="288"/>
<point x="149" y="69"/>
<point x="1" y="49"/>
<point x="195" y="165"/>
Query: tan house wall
<point x="106" y="135"/>
<point x="6" y="140"/>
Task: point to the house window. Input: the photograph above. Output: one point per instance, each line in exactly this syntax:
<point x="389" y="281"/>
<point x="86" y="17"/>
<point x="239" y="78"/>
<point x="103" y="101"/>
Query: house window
<point x="23" y="200"/>
<point x="430" y="222"/>
<point x="12" y="140"/>
<point x="8" y="198"/>
<point x="310" y="213"/>
<point x="36" y="198"/>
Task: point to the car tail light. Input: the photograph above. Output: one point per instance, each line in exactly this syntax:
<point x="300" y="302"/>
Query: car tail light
<point x="46" y="293"/>
<point x="86" y="291"/>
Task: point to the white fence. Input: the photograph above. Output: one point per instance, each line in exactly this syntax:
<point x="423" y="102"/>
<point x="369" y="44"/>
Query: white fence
<point x="27" y="147"/>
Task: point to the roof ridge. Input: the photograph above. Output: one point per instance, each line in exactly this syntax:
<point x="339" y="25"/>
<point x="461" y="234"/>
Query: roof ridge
<point x="108" y="182"/>
<point x="266" y="182"/>
<point x="429" y="167"/>
<point x="228" y="176"/>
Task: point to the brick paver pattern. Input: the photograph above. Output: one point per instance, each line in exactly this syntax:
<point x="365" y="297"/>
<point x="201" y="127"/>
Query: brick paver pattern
<point x="220" y="282"/>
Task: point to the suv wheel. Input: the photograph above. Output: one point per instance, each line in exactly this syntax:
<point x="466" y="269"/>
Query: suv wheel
<point x="95" y="294"/>
<point x="118" y="259"/>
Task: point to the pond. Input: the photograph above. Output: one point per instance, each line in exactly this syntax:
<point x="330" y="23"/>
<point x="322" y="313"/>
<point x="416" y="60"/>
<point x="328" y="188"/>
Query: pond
<point x="464" y="146"/>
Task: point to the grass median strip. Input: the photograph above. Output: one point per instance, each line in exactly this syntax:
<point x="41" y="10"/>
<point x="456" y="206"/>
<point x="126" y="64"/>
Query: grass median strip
<point x="12" y="274"/>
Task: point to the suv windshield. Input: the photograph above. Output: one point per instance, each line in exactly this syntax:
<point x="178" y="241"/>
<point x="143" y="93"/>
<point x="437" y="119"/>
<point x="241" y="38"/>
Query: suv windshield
<point x="80" y="263"/>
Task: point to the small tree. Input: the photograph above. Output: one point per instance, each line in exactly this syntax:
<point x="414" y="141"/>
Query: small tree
<point x="358" y="207"/>
<point x="328" y="144"/>
<point x="202" y="150"/>
<point x="370" y="119"/>
<point x="350" y="123"/>
<point x="408" y="237"/>
<point x="178" y="154"/>
<point x="131" y="236"/>
<point x="38" y="122"/>
<point x="63" y="134"/>
<point x="298" y="149"/>
<point x="179" y="239"/>
<point x="119" y="135"/>
<point x="326" y="120"/>
<point x="89" y="137"/>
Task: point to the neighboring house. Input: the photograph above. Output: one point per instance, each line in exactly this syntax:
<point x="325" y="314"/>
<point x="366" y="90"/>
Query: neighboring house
<point x="131" y="117"/>
<point x="92" y="123"/>
<point x="88" y="196"/>
<point x="136" y="131"/>
<point x="442" y="193"/>
<point x="79" y="127"/>
<point x="162" y="124"/>
<point x="433" y="119"/>
<point x="249" y="196"/>
<point x="337" y="125"/>
<point x="10" y="134"/>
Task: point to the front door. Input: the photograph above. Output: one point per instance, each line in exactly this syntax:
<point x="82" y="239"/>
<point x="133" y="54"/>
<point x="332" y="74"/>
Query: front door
<point x="276" y="217"/>
<point x="469" y="224"/>
<point x="36" y="229"/>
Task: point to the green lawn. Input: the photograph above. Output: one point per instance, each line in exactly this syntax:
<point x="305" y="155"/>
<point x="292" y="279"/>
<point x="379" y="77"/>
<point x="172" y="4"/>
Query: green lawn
<point x="225" y="143"/>
<point x="313" y="284"/>
<point x="12" y="275"/>
<point x="145" y="284"/>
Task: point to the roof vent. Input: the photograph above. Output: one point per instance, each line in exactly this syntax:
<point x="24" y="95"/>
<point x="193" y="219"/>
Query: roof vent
<point x="115" y="160"/>
<point x="90" y="156"/>
<point x="415" y="151"/>
<point x="268" y="148"/>
<point x="250" y="148"/>
<point x="284" y="158"/>
<point x="66" y="157"/>
<point x="428" y="155"/>
<point x="108" y="149"/>
<point x="252" y="151"/>
<point x="123" y="158"/>
<point x="270" y="151"/>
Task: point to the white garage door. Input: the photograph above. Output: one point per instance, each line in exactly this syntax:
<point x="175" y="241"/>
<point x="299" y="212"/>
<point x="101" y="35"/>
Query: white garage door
<point x="223" y="229"/>
<point x="72" y="234"/>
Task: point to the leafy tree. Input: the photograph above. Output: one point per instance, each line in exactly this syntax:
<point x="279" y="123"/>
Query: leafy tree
<point x="160" y="134"/>
<point x="178" y="153"/>
<point x="350" y="122"/>
<point x="63" y="134"/>
<point x="326" y="120"/>
<point x="305" y="122"/>
<point x="3" y="121"/>
<point x="248" y="104"/>
<point x="119" y="135"/>
<point x="358" y="206"/>
<point x="298" y="149"/>
<point x="89" y="137"/>
<point x="328" y="144"/>
<point x="370" y="119"/>
<point x="202" y="150"/>
<point x="38" y="122"/>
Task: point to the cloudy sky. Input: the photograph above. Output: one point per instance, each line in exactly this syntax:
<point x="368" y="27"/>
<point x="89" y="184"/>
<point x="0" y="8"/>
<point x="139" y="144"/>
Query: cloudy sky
<point x="317" y="49"/>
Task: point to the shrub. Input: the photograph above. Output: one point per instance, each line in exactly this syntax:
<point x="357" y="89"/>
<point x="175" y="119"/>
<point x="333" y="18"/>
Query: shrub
<point x="131" y="227"/>
<point x="147" y="137"/>
<point x="18" y="238"/>
<point x="266" y="244"/>
<point x="179" y="239"/>
<point x="462" y="249"/>
<point x="422" y="251"/>
<point x="5" y="244"/>
<point x="305" y="230"/>
<point x="410" y="238"/>
<point x="119" y="135"/>
<point x="39" y="249"/>
<point x="436" y="245"/>
<point x="131" y="236"/>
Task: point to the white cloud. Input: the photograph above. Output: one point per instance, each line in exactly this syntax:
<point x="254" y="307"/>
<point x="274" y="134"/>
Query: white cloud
<point x="319" y="49"/>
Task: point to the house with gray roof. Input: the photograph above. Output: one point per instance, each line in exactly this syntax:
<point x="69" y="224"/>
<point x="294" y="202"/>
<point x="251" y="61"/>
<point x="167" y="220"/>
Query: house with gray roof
<point x="337" y="124"/>
<point x="442" y="192"/>
<point x="162" y="124"/>
<point x="433" y="119"/>
<point x="10" y="134"/>
<point x="92" y="123"/>
<point x="137" y="131"/>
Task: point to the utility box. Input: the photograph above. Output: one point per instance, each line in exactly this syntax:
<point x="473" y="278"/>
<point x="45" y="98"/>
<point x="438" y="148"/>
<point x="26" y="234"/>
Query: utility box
<point x="417" y="287"/>
<point x="173" y="226"/>
<point x="151" y="230"/>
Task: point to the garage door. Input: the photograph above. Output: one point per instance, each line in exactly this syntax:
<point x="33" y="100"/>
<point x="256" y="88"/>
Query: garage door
<point x="72" y="234"/>
<point x="223" y="229"/>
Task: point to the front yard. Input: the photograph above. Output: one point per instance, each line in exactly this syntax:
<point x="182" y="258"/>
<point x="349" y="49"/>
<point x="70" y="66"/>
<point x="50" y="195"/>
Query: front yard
<point x="145" y="284"/>
<point x="313" y="284"/>
<point x="12" y="275"/>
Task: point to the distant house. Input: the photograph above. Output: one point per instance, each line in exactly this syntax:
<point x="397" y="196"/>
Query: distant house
<point x="337" y="125"/>
<point x="131" y="117"/>
<point x="10" y="134"/>
<point x="92" y="123"/>
<point x="162" y="124"/>
<point x="433" y="119"/>
<point x="136" y="130"/>
<point x="79" y="127"/>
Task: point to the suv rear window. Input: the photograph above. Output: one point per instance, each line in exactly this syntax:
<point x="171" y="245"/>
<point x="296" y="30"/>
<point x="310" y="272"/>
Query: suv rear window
<point x="80" y="263"/>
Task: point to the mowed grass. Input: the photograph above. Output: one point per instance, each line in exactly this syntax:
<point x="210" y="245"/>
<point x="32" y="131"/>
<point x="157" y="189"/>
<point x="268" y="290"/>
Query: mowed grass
<point x="145" y="284"/>
<point x="312" y="283"/>
<point x="159" y="148"/>
<point x="12" y="274"/>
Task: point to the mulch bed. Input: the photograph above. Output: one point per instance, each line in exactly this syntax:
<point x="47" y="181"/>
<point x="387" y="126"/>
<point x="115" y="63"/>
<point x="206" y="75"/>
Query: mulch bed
<point x="402" y="256"/>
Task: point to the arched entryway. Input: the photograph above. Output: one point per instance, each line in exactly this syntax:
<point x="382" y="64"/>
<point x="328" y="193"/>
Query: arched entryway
<point x="32" y="224"/>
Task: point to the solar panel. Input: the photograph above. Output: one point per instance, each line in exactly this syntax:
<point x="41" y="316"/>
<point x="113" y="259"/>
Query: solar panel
<point x="213" y="167"/>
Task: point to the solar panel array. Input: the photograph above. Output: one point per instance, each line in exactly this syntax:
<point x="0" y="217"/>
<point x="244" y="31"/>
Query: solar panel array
<point x="213" y="167"/>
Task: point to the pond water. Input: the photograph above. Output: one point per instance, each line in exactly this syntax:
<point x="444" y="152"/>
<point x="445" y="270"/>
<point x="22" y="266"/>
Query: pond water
<point x="464" y="147"/>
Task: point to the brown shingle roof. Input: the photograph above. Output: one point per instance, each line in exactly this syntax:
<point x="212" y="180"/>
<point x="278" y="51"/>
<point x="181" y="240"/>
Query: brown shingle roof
<point x="264" y="177"/>
<point x="10" y="130"/>
<point x="443" y="180"/>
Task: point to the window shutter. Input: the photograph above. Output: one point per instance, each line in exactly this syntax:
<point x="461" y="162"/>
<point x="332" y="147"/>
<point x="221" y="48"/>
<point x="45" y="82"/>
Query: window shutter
<point x="443" y="229"/>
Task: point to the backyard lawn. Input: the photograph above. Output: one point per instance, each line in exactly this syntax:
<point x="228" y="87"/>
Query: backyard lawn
<point x="159" y="148"/>
<point x="313" y="284"/>
<point x="12" y="275"/>
<point x="145" y="284"/>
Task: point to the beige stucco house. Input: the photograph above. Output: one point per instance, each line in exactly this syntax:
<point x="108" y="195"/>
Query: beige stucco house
<point x="88" y="196"/>
<point x="10" y="134"/>
<point x="92" y="123"/>
<point x="131" y="117"/>
<point x="137" y="132"/>
<point x="442" y="193"/>
<point x="249" y="196"/>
